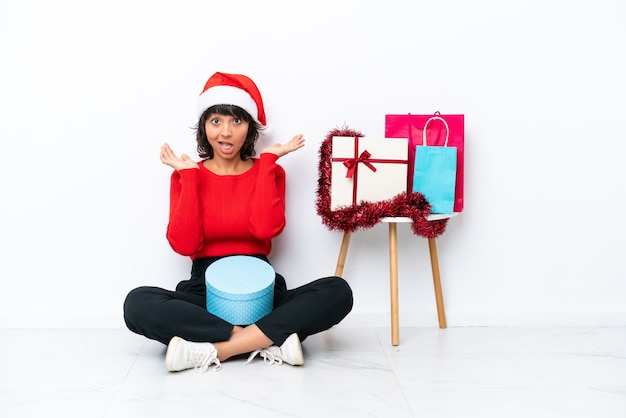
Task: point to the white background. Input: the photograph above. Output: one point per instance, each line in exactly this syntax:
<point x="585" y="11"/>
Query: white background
<point x="89" y="90"/>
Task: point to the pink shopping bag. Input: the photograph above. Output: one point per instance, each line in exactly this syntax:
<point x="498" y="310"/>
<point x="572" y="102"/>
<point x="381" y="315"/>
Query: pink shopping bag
<point x="411" y="126"/>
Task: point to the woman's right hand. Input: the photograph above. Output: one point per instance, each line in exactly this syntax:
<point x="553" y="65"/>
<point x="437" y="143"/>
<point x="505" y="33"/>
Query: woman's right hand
<point x="177" y="163"/>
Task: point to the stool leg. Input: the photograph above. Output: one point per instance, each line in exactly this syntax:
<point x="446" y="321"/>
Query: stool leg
<point x="393" y="278"/>
<point x="343" y="252"/>
<point x="434" y="263"/>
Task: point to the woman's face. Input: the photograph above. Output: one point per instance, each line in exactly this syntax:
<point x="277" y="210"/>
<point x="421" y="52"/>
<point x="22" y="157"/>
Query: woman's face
<point x="226" y="134"/>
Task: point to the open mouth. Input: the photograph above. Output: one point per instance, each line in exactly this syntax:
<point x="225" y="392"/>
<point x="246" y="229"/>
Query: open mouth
<point x="225" y="146"/>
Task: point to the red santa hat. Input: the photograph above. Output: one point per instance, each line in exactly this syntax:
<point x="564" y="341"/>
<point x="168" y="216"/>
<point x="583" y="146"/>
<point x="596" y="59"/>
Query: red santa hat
<point x="232" y="89"/>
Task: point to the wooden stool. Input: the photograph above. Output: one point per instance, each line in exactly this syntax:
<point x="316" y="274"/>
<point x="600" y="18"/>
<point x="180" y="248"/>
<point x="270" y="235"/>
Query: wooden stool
<point x="393" y="271"/>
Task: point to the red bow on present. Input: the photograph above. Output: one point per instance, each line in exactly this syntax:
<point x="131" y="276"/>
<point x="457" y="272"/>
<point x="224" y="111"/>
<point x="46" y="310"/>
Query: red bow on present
<point x="352" y="163"/>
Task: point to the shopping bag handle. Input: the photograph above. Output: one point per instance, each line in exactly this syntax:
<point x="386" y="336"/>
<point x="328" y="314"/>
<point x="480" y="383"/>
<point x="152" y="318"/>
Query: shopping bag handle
<point x="426" y="125"/>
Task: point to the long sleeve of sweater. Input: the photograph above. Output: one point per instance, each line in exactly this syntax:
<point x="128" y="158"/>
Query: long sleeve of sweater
<point x="184" y="231"/>
<point x="268" y="219"/>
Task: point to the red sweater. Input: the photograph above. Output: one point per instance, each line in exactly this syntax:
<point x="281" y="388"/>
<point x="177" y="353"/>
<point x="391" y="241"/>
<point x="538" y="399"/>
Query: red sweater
<point x="213" y="215"/>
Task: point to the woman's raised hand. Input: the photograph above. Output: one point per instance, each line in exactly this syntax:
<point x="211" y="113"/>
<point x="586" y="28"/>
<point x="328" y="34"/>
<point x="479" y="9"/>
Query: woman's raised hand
<point x="294" y="144"/>
<point x="177" y="163"/>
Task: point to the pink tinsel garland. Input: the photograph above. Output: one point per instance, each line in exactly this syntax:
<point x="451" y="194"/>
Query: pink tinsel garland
<point x="365" y="215"/>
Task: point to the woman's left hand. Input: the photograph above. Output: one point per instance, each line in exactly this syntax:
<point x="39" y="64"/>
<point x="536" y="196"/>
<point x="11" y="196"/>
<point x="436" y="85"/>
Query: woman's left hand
<point x="294" y="144"/>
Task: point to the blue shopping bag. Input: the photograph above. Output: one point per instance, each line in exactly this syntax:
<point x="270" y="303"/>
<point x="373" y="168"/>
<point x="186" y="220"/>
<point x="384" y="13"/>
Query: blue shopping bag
<point x="434" y="173"/>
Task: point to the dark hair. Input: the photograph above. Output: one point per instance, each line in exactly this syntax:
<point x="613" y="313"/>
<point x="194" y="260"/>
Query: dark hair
<point x="205" y="150"/>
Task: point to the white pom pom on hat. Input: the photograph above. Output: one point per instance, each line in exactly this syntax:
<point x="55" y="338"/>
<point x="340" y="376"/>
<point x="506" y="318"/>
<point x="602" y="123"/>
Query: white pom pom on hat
<point x="233" y="89"/>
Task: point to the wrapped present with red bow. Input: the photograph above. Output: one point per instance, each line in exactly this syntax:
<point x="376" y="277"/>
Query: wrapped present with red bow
<point x="367" y="169"/>
<point x="366" y="214"/>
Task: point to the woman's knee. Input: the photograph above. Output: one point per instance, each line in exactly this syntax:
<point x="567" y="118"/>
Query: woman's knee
<point x="341" y="290"/>
<point x="135" y="303"/>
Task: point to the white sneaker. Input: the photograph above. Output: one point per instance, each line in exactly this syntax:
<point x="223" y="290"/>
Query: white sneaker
<point x="182" y="355"/>
<point x="290" y="352"/>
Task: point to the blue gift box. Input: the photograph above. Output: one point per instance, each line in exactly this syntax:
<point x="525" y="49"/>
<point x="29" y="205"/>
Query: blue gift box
<point x="240" y="289"/>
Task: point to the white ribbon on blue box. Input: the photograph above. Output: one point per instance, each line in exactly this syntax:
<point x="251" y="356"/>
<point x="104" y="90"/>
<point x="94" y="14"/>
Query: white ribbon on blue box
<point x="240" y="289"/>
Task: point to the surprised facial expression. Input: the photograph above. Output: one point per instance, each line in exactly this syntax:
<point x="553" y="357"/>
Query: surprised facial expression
<point x="226" y="134"/>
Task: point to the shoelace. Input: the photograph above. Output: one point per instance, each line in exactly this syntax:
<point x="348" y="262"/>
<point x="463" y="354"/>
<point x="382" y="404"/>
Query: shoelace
<point x="268" y="356"/>
<point x="202" y="358"/>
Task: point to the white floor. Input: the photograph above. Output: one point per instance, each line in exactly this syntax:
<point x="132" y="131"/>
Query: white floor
<point x="348" y="372"/>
